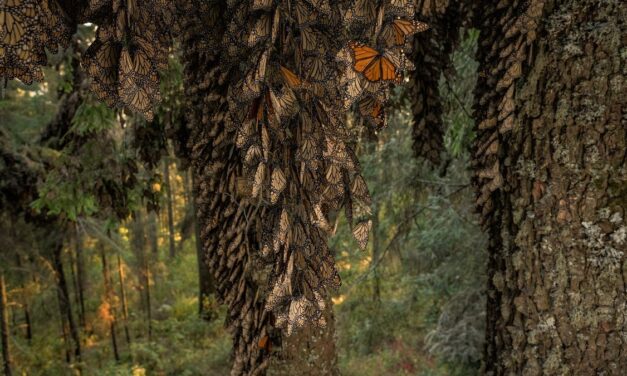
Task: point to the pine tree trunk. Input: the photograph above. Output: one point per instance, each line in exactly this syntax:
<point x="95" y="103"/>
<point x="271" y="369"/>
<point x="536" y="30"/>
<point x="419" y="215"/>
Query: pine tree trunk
<point x="127" y="334"/>
<point x="230" y="224"/>
<point x="64" y="296"/>
<point x="153" y="235"/>
<point x="80" y="275"/>
<point x="551" y="155"/>
<point x="376" y="254"/>
<point x="25" y="307"/>
<point x="73" y="275"/>
<point x="4" y="328"/>
<point x="168" y="190"/>
<point x="108" y="287"/>
<point x="143" y="266"/>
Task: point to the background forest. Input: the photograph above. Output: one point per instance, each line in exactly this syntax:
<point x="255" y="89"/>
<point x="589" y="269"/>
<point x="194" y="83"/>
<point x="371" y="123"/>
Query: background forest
<point x="111" y="297"/>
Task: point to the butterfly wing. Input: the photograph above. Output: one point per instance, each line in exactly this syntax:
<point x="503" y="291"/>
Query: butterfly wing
<point x="406" y="28"/>
<point x="363" y="56"/>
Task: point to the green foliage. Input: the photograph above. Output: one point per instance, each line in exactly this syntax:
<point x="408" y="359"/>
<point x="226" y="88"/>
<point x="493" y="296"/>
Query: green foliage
<point x="457" y="92"/>
<point x="92" y="118"/>
<point x="60" y="196"/>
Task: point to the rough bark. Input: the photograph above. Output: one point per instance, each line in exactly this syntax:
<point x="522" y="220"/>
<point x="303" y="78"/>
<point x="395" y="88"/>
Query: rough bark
<point x="552" y="185"/>
<point x="230" y="224"/>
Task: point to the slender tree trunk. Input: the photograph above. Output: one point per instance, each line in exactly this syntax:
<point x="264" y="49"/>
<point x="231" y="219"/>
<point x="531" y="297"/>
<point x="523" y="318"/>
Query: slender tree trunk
<point x="168" y="190"/>
<point x="153" y="235"/>
<point x="64" y="297"/>
<point x="80" y="275"/>
<point x="25" y="308"/>
<point x="376" y="254"/>
<point x="64" y="330"/>
<point x="73" y="275"/>
<point x="4" y="328"/>
<point x="123" y="298"/>
<point x="139" y="245"/>
<point x="27" y="322"/>
<point x="551" y="155"/>
<point x="108" y="287"/>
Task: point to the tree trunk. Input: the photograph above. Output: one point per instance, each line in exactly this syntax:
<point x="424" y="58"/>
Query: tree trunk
<point x="153" y="235"/>
<point x="230" y="224"/>
<point x="127" y="334"/>
<point x="80" y="275"/>
<point x="376" y="254"/>
<point x="64" y="296"/>
<point x="551" y="103"/>
<point x="4" y="326"/>
<point x="74" y="278"/>
<point x="168" y="190"/>
<point x="25" y="307"/>
<point x="143" y="266"/>
<point x="108" y="287"/>
<point x="205" y="279"/>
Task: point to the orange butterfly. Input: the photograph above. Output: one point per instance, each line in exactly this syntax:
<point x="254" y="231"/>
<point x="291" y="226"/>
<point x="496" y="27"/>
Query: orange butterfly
<point x="291" y="78"/>
<point x="372" y="110"/>
<point x="265" y="343"/>
<point x="396" y="33"/>
<point x="372" y="64"/>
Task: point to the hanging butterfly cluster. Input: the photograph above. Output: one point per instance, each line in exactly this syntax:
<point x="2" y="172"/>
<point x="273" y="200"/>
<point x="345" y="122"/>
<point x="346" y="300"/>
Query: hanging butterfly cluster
<point x="131" y="47"/>
<point x="27" y="28"/>
<point x="303" y="64"/>
<point x="433" y="53"/>
<point x="516" y="29"/>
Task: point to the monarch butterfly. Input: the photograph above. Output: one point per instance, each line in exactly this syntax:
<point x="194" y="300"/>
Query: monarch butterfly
<point x="372" y="110"/>
<point x="334" y="174"/>
<point x="277" y="185"/>
<point x="256" y="110"/>
<point x="359" y="189"/>
<point x="290" y="77"/>
<point x="406" y="7"/>
<point x="372" y="64"/>
<point x="361" y="232"/>
<point x="264" y="343"/>
<point x="101" y="61"/>
<point x="362" y="10"/>
<point x="259" y="177"/>
<point x="284" y="225"/>
<point x="284" y="103"/>
<point x="397" y="31"/>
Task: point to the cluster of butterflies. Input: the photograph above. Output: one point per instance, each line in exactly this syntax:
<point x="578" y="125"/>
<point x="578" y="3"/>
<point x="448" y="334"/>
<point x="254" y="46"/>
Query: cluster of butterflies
<point x="131" y="46"/>
<point x="130" y="49"/>
<point x="27" y="28"/>
<point x="301" y="69"/>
